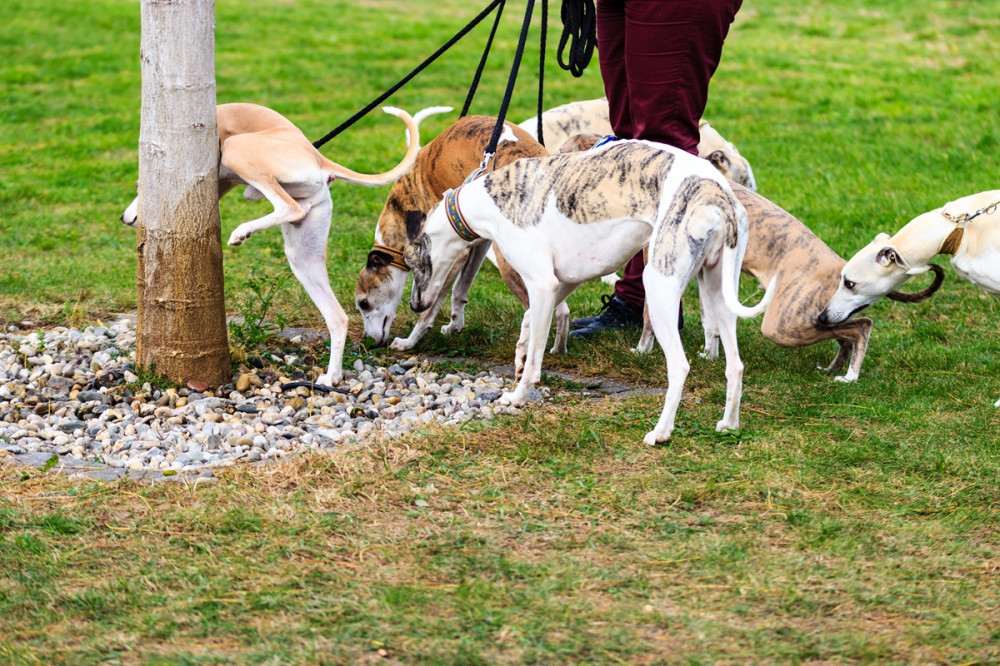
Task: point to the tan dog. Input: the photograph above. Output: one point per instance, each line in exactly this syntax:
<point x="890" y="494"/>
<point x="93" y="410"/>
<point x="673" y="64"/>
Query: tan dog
<point x="968" y="229"/>
<point x="591" y="117"/>
<point x="263" y="150"/>
<point x="442" y="164"/>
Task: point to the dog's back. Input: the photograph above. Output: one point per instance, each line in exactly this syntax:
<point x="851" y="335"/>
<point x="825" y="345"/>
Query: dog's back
<point x="245" y="118"/>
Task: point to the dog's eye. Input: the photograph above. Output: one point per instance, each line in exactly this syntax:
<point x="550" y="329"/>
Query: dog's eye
<point x="364" y="305"/>
<point x="849" y="284"/>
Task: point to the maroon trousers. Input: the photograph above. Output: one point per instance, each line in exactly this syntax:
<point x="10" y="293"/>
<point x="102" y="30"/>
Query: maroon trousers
<point x="657" y="57"/>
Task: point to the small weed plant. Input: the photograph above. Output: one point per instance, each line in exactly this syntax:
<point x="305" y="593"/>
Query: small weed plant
<point x="251" y="328"/>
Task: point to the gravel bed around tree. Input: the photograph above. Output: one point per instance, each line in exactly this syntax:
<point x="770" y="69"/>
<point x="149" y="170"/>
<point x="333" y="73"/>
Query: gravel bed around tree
<point x="74" y="398"/>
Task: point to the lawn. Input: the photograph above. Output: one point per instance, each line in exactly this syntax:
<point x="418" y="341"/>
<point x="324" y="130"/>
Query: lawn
<point x="851" y="523"/>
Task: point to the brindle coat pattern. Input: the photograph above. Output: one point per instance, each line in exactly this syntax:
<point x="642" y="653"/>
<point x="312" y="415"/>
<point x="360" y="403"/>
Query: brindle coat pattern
<point x="692" y="194"/>
<point x="808" y="273"/>
<point x="583" y="191"/>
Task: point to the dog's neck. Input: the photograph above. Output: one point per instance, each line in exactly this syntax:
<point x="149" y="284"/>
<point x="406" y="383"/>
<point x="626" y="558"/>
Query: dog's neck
<point x="455" y="217"/>
<point x="925" y="237"/>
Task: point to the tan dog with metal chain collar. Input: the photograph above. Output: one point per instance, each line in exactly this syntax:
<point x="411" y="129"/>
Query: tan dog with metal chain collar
<point x="968" y="229"/>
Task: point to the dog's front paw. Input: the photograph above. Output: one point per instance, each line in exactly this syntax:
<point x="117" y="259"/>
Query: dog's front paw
<point x="651" y="438"/>
<point x="330" y="378"/>
<point x="511" y="398"/>
<point x="725" y="425"/>
<point x="452" y="327"/>
<point x="402" y="344"/>
<point x="238" y="236"/>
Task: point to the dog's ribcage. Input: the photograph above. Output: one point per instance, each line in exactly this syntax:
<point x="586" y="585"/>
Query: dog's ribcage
<point x="623" y="180"/>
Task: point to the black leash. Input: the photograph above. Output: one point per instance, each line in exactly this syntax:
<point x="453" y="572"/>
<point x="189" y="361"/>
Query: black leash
<point x="491" y="148"/>
<point x="384" y="96"/>
<point x="482" y="63"/>
<point x="579" y="32"/>
<point x="579" y="18"/>
<point x="541" y="68"/>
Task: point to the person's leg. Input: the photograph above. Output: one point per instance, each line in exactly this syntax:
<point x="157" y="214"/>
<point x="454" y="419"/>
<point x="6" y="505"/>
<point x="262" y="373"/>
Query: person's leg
<point x="611" y="55"/>
<point x="657" y="57"/>
<point x="672" y="48"/>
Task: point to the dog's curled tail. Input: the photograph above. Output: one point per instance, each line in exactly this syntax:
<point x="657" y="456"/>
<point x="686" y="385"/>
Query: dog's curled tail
<point x="917" y="296"/>
<point x="731" y="261"/>
<point x="338" y="172"/>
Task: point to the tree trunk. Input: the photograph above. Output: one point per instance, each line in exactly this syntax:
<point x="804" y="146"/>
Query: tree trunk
<point x="181" y="332"/>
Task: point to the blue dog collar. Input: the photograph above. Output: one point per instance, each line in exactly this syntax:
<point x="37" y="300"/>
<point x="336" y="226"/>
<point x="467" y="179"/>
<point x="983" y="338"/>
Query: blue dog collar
<point x="605" y="139"/>
<point x="455" y="217"/>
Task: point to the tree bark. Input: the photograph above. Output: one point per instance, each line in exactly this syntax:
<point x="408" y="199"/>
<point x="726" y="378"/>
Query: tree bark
<point x="181" y="330"/>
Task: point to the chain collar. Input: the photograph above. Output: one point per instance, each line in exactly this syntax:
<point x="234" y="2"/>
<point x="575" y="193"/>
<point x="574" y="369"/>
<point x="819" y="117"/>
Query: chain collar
<point x="965" y="218"/>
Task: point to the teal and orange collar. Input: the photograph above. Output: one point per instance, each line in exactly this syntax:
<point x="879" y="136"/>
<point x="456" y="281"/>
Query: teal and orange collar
<point x="455" y="217"/>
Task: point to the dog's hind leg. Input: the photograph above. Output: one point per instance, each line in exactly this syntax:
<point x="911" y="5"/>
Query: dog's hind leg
<point x="845" y="350"/>
<point x="710" y="285"/>
<point x="562" y="329"/>
<point x="520" y="349"/>
<point x="663" y="300"/>
<point x="645" y="344"/>
<point x="709" y="323"/>
<point x="305" y="248"/>
<point x="241" y="156"/>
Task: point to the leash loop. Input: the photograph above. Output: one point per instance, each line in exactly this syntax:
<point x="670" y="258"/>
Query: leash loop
<point x="579" y="20"/>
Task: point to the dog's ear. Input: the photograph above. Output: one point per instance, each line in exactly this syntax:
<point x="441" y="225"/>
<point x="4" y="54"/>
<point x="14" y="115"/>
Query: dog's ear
<point x="719" y="160"/>
<point x="377" y="260"/>
<point x="890" y="255"/>
<point x="414" y="224"/>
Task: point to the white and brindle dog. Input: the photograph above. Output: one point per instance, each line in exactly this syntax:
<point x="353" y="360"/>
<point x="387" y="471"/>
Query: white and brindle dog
<point x="565" y="129"/>
<point x="568" y="218"/>
<point x="968" y="229"/>
<point x="265" y="151"/>
<point x="442" y="164"/>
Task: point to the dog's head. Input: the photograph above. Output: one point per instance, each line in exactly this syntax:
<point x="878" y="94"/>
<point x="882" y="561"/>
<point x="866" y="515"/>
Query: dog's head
<point x="434" y="253"/>
<point x="131" y="214"/>
<point x="725" y="157"/>
<point x="378" y="293"/>
<point x="868" y="276"/>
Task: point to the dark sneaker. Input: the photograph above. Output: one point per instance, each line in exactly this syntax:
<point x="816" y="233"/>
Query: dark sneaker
<point x="615" y="314"/>
<point x="587" y="321"/>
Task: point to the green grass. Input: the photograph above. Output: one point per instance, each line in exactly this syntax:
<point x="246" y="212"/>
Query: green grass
<point x="844" y="523"/>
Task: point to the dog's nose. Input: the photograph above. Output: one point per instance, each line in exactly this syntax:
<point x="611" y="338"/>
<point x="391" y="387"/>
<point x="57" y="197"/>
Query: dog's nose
<point x="824" y="318"/>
